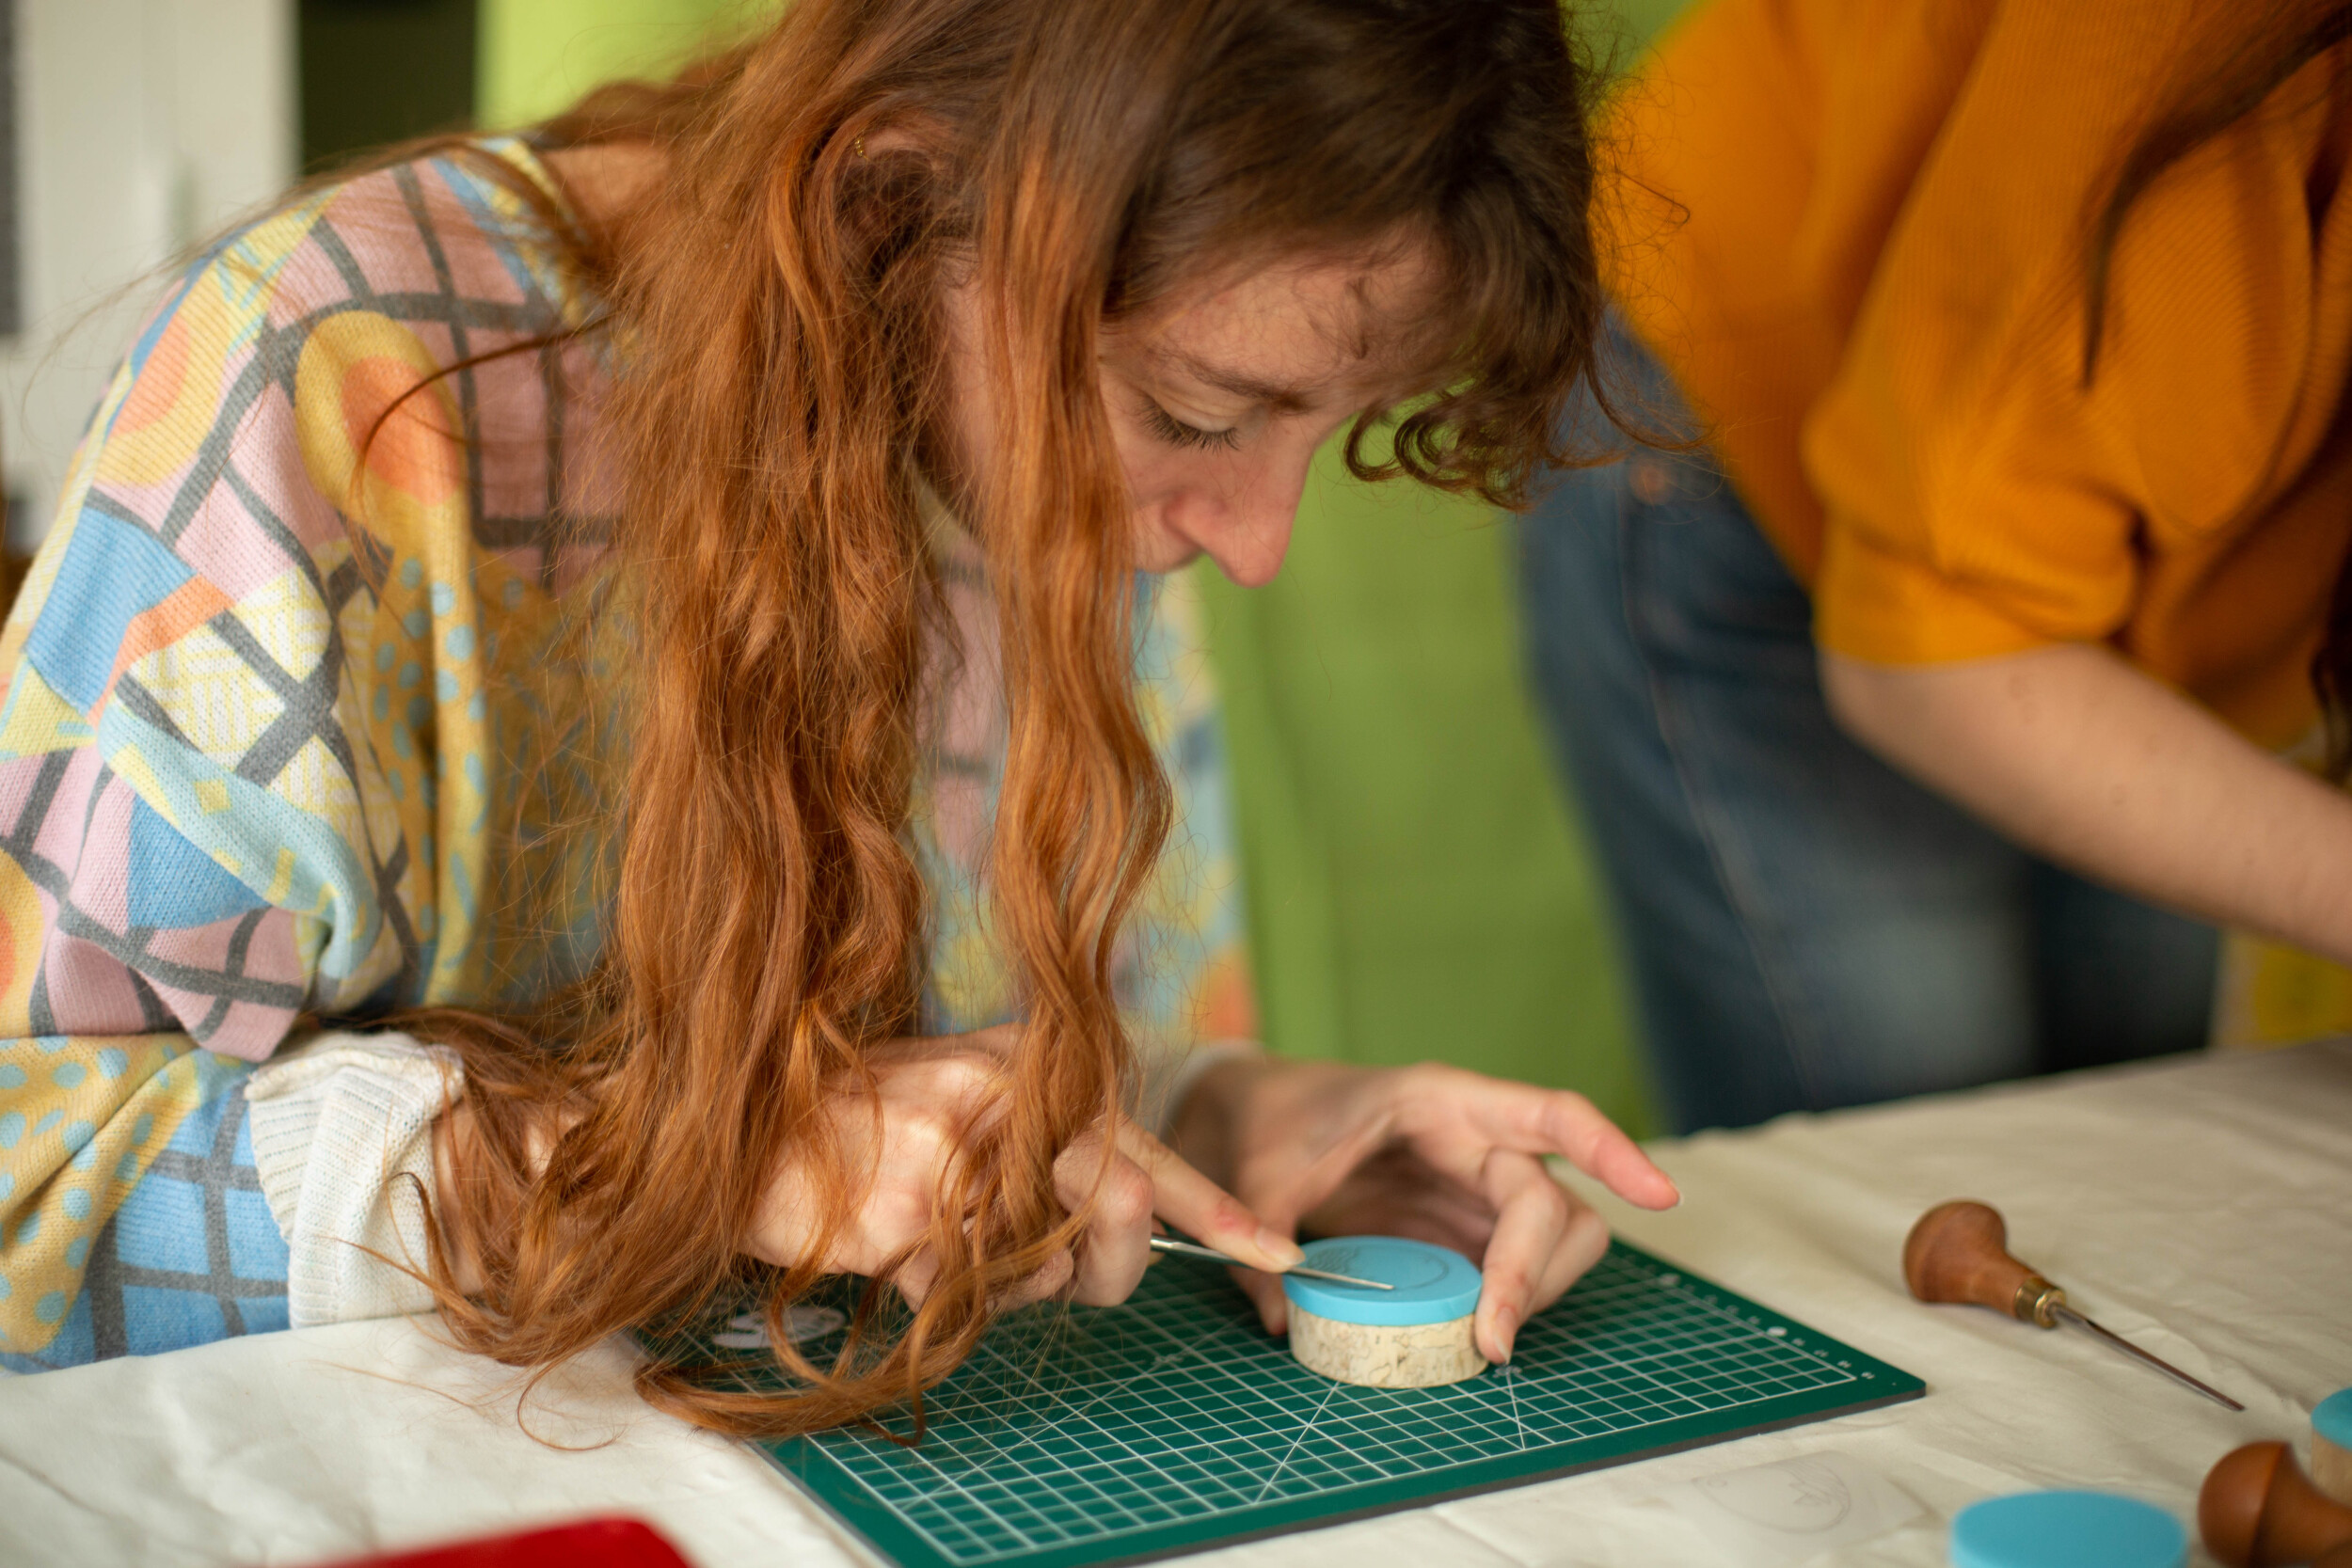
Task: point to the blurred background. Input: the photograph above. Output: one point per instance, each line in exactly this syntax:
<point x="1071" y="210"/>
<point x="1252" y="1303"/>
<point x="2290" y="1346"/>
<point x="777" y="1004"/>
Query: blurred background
<point x="1417" y="884"/>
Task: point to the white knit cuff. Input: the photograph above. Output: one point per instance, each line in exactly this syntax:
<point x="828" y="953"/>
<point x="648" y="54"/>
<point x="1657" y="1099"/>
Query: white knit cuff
<point x="342" y="1139"/>
<point x="1170" y="1069"/>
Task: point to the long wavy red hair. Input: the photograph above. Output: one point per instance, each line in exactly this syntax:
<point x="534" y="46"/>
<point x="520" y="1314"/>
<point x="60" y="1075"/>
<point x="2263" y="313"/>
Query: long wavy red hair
<point x="775" y="310"/>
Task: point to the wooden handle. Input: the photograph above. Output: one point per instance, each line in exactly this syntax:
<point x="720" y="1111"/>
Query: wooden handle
<point x="1959" y="1252"/>
<point x="2258" y="1510"/>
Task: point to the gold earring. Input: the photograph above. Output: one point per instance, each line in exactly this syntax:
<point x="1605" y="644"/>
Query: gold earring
<point x="858" y="147"/>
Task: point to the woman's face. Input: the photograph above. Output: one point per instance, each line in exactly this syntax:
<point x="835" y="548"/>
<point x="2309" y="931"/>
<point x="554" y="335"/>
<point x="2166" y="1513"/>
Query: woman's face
<point x="1219" y="400"/>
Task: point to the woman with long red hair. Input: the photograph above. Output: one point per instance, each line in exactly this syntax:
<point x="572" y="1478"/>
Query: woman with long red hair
<point x="662" y="620"/>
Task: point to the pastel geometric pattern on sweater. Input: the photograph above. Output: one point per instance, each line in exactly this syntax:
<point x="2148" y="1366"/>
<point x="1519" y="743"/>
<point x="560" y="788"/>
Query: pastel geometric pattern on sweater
<point x="192" y="1254"/>
<point x="311" y="671"/>
<point x="247" y="764"/>
<point x="82" y="1122"/>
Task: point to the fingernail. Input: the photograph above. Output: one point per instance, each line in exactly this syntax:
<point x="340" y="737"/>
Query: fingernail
<point x="1281" y="1247"/>
<point x="1506" y="1327"/>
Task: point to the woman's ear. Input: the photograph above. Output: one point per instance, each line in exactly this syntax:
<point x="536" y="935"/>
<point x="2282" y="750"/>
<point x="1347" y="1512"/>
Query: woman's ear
<point x="921" y="136"/>
<point x="888" y="188"/>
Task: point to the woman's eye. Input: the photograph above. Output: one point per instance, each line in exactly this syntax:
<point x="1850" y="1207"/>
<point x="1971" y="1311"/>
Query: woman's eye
<point x="1168" y="428"/>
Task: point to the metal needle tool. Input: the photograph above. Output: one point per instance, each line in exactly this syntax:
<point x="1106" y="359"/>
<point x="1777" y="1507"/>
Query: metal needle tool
<point x="1959" y="1252"/>
<point x="1210" y="1254"/>
<point x="2066" y="1314"/>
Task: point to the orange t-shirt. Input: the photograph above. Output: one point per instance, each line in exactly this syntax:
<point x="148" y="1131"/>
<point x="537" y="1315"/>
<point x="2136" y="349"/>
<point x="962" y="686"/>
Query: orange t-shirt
<point x="1855" y="231"/>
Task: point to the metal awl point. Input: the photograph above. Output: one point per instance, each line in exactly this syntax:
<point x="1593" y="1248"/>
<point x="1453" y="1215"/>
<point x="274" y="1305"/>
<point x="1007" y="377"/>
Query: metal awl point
<point x="2068" y="1315"/>
<point x="1210" y="1254"/>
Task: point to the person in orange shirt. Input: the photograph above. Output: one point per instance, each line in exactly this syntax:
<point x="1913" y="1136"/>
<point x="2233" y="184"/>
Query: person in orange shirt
<point x="1998" y="569"/>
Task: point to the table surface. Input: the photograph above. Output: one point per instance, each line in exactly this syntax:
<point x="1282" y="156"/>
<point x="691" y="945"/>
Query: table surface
<point x="2201" y="1207"/>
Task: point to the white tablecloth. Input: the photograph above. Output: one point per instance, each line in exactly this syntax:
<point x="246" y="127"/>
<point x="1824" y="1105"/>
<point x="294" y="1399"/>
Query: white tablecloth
<point x="2201" y="1207"/>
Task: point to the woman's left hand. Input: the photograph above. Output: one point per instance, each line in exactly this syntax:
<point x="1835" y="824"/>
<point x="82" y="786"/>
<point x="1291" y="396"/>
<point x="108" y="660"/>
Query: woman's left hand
<point x="1432" y="1152"/>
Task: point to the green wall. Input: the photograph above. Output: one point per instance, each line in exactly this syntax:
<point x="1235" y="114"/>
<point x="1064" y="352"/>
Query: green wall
<point x="1637" y="21"/>
<point x="1417" y="886"/>
<point x="538" y="56"/>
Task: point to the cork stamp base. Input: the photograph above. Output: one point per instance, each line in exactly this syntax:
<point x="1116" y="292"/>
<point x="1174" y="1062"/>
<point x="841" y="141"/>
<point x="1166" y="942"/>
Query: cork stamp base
<point x="2331" y="1446"/>
<point x="2331" y="1470"/>
<point x="1412" y="1355"/>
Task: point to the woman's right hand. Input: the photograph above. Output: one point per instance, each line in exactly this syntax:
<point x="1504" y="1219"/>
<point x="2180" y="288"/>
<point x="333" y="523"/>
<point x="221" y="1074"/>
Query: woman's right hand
<point x="933" y="1094"/>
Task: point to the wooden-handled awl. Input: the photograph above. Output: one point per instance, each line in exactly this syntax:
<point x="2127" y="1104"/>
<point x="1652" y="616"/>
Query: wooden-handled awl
<point x="1959" y="1252"/>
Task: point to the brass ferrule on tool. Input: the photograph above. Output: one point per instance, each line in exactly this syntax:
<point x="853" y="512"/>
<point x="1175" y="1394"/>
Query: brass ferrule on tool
<point x="2038" y="1302"/>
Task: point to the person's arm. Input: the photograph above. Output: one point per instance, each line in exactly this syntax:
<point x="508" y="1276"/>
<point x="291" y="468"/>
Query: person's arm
<point x="902" y="1141"/>
<point x="2078" y="754"/>
<point x="216" y="830"/>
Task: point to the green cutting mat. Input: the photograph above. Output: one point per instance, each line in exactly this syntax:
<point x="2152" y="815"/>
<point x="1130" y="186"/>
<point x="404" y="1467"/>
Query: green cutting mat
<point x="1173" y="1423"/>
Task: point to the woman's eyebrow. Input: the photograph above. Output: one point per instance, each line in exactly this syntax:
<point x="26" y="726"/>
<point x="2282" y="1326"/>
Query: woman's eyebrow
<point x="1279" y="396"/>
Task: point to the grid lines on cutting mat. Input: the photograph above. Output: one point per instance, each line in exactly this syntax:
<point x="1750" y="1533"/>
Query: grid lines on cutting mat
<point x="1083" y="1427"/>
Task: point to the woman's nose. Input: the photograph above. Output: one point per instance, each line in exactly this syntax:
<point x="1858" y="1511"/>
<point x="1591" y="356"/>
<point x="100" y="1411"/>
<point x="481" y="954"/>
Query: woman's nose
<point x="1251" y="532"/>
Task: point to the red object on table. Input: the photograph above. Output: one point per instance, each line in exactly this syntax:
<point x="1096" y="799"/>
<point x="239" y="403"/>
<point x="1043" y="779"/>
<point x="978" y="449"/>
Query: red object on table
<point x="590" y="1544"/>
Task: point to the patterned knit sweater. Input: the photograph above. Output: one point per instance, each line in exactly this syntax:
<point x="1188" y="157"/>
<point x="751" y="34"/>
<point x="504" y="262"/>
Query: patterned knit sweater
<point x="284" y="740"/>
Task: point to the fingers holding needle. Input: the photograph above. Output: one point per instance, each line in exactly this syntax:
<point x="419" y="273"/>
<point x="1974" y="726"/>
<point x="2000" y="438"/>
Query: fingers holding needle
<point x="1193" y="1249"/>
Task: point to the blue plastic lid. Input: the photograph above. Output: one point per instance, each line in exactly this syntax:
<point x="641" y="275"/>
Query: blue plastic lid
<point x="1434" y="1285"/>
<point x="2332" y="1420"/>
<point x="2067" y="1530"/>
